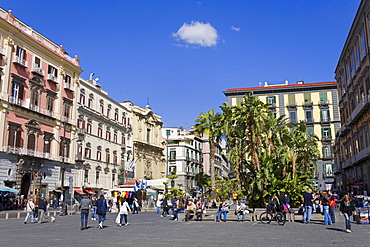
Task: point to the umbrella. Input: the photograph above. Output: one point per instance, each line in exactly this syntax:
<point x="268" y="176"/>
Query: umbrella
<point x="8" y="189"/>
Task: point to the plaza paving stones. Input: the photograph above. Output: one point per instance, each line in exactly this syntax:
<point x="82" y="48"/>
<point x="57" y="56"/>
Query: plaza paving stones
<point x="148" y="229"/>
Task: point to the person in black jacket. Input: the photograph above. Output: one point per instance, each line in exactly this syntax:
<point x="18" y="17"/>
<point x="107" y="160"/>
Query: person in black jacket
<point x="42" y="208"/>
<point x="347" y="208"/>
<point x="101" y="210"/>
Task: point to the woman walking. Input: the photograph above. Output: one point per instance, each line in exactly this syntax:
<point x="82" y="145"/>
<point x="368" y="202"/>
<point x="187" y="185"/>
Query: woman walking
<point x="30" y="207"/>
<point x="123" y="211"/>
<point x="101" y="210"/>
<point x="325" y="203"/>
<point x="347" y="208"/>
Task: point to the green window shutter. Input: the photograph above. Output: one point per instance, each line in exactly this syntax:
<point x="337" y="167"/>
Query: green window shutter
<point x="323" y="98"/>
<point x="274" y="99"/>
<point x="320" y="115"/>
<point x="322" y="133"/>
<point x="291" y="99"/>
<point x="329" y="132"/>
<point x="324" y="168"/>
<point x="239" y="101"/>
<point x="328" y="114"/>
<point x="307" y="98"/>
<point x="267" y="100"/>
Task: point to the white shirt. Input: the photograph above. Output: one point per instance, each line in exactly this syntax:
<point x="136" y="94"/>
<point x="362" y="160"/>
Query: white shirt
<point x="125" y="208"/>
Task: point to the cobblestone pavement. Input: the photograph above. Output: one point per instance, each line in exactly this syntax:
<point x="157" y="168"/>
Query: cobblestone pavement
<point x="148" y="229"/>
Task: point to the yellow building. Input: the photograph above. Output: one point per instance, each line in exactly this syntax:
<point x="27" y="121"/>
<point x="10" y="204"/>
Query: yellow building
<point x="314" y="103"/>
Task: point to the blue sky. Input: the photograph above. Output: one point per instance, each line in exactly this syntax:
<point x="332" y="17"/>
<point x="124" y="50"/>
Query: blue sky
<point x="183" y="54"/>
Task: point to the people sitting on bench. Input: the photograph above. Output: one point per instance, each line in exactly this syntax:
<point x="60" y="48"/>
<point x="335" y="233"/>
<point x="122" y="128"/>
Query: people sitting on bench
<point x="190" y="208"/>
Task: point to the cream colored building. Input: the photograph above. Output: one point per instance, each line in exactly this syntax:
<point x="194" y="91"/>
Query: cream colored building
<point x="314" y="103"/>
<point x="105" y="128"/>
<point x="148" y="143"/>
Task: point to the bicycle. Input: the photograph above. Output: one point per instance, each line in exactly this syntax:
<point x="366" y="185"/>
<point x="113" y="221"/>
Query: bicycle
<point x="268" y="216"/>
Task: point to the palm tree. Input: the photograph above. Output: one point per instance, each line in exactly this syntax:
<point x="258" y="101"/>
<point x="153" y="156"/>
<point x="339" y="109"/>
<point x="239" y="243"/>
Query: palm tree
<point x="208" y="124"/>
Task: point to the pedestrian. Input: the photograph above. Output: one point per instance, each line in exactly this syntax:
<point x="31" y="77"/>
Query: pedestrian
<point x="165" y="207"/>
<point x="159" y="204"/>
<point x="307" y="200"/>
<point x="190" y="208"/>
<point x="223" y="209"/>
<point x="42" y="208"/>
<point x="240" y="210"/>
<point x="136" y="206"/>
<point x="175" y="207"/>
<point x="272" y="204"/>
<point x="347" y="209"/>
<point x="332" y="202"/>
<point x="325" y="203"/>
<point x="199" y="209"/>
<point x="93" y="209"/>
<point x="101" y="210"/>
<point x="84" y="207"/>
<point x="30" y="207"/>
<point x="36" y="211"/>
<point x="124" y="210"/>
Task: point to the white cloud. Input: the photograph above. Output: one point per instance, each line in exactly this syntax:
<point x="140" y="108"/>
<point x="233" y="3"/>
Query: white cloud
<point x="235" y="28"/>
<point x="197" y="33"/>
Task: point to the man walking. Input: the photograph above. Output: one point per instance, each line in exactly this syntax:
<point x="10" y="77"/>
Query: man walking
<point x="42" y="208"/>
<point x="84" y="207"/>
<point x="307" y="206"/>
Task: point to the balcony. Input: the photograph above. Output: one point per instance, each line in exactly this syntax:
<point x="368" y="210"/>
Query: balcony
<point x="65" y="159"/>
<point x="80" y="131"/>
<point x="52" y="78"/>
<point x="309" y="121"/>
<point x="94" y="185"/>
<point x="28" y="152"/>
<point x="69" y="86"/>
<point x="79" y="157"/>
<point x="20" y="61"/>
<point x="325" y="120"/>
<point x="37" y="70"/>
<point x="360" y="109"/>
<point x="28" y="105"/>
<point x="323" y="103"/>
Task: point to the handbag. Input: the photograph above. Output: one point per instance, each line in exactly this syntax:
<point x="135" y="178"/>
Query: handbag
<point x="118" y="218"/>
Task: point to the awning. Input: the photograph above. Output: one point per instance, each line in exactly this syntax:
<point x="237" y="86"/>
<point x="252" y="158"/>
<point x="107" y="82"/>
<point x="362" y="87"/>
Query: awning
<point x="90" y="191"/>
<point x="8" y="189"/>
<point x="80" y="192"/>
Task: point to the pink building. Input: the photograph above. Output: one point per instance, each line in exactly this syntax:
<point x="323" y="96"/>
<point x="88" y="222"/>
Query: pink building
<point x="37" y="110"/>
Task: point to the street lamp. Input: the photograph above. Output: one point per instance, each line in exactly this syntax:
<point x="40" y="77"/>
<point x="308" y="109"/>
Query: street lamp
<point x="64" y="143"/>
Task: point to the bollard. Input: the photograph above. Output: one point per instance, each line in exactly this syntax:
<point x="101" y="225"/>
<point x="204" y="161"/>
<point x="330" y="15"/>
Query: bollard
<point x="7" y="216"/>
<point x="18" y="215"/>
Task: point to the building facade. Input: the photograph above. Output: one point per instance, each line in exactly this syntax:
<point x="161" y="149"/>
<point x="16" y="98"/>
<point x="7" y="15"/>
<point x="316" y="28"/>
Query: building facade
<point x="105" y="129"/>
<point x="184" y="156"/>
<point x="314" y="103"/>
<point x="37" y="111"/>
<point x="353" y="77"/>
<point x="148" y="143"/>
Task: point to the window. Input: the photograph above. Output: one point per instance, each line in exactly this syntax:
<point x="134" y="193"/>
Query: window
<point x="34" y="97"/>
<point x="47" y="142"/>
<point x="101" y="106"/>
<point x="50" y="102"/>
<point x="66" y="109"/>
<point x="327" y="151"/>
<point x="17" y="89"/>
<point x="326" y="133"/>
<point x="107" y="155"/>
<point x="291" y="99"/>
<point x="148" y="135"/>
<point x="124" y="120"/>
<point x="88" y="151"/>
<point x="64" y="147"/>
<point x="309" y="118"/>
<point x="86" y="176"/>
<point x="123" y="140"/>
<point x="271" y="100"/>
<point x="328" y="170"/>
<point x="82" y="97"/>
<point x="325" y="115"/>
<point x="293" y="116"/>
<point x="363" y="44"/>
<point x="81" y="122"/>
<point x="323" y="98"/>
<point x="115" y="138"/>
<point x="100" y="131"/>
<point x="97" y="177"/>
<point x="128" y="121"/>
<point x="20" y="56"/>
<point x="52" y="73"/>
<point x="173" y="155"/>
<point x="108" y="110"/>
<point x="91" y="100"/>
<point x="98" y="154"/>
<point x="115" y="158"/>
<point x="107" y="134"/>
<point x="116" y="114"/>
<point x="172" y="170"/>
<point x="239" y="101"/>
<point x="366" y="138"/>
<point x="88" y="127"/>
<point x="307" y="99"/>
<point x="14" y="135"/>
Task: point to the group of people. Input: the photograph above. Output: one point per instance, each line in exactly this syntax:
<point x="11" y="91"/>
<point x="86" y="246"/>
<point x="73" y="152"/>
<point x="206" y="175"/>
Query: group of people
<point x="35" y="210"/>
<point x="327" y="201"/>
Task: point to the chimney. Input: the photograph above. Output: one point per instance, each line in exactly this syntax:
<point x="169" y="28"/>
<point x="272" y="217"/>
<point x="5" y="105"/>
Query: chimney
<point x="300" y="82"/>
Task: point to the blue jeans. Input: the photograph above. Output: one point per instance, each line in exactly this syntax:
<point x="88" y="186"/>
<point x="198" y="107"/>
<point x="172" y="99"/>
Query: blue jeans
<point x="348" y="219"/>
<point x="307" y="210"/>
<point x="123" y="216"/>
<point x="93" y="212"/>
<point x="242" y="216"/>
<point x="84" y="217"/>
<point x="101" y="217"/>
<point x="158" y="210"/>
<point x="327" y="218"/>
<point x="221" y="213"/>
<point x="29" y="214"/>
